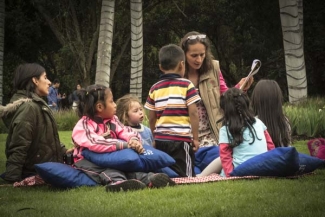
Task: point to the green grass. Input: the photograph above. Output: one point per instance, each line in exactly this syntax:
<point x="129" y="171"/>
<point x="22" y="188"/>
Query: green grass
<point x="262" y="197"/>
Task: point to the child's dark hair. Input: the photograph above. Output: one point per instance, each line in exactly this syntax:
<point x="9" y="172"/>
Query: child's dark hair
<point x="170" y="55"/>
<point x="237" y="116"/>
<point x="89" y="97"/>
<point x="266" y="102"/>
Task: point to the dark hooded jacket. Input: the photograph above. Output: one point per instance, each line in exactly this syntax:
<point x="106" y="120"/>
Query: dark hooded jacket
<point x="33" y="136"/>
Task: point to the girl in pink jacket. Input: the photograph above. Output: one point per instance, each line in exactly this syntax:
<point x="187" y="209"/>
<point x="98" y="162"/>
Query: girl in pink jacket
<point x="99" y="130"/>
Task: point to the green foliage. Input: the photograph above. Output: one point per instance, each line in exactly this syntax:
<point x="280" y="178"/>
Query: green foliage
<point x="262" y="197"/>
<point x="66" y="119"/>
<point x="240" y="31"/>
<point x="307" y="118"/>
<point x="3" y="128"/>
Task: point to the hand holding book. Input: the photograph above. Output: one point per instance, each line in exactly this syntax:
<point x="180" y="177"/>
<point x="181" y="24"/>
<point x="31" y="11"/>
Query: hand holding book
<point x="254" y="69"/>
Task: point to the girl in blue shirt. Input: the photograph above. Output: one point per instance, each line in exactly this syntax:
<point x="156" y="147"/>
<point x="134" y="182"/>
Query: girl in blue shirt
<point x="242" y="136"/>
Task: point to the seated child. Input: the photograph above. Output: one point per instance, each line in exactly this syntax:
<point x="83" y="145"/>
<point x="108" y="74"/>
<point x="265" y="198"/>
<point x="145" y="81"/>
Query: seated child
<point x="266" y="101"/>
<point x="173" y="115"/>
<point x="99" y="130"/>
<point x="242" y="136"/>
<point x="130" y="112"/>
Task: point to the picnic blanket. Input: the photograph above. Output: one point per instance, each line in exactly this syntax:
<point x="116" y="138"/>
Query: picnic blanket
<point x="30" y="181"/>
<point x="216" y="178"/>
<point x="211" y="178"/>
<point x="37" y="180"/>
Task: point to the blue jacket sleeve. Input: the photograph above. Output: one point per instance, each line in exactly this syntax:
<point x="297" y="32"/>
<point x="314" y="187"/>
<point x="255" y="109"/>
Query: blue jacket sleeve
<point x="51" y="96"/>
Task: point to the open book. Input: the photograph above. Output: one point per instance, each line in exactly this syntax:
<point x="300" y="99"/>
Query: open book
<point x="256" y="65"/>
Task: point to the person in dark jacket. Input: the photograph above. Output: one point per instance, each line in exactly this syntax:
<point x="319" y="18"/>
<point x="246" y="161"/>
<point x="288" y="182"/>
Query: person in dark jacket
<point x="33" y="135"/>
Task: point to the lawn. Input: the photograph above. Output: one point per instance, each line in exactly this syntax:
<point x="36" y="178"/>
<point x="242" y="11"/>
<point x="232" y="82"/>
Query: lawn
<point x="263" y="197"/>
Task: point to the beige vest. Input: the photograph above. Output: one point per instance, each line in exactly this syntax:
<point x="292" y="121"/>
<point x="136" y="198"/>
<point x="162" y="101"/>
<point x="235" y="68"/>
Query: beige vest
<point x="209" y="86"/>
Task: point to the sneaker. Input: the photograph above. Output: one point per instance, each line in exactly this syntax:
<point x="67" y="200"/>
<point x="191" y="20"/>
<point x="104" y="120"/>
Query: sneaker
<point x="160" y="180"/>
<point x="125" y="185"/>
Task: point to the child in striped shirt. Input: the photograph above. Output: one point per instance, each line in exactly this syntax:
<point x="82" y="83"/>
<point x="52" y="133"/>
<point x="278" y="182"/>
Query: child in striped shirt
<point x="173" y="115"/>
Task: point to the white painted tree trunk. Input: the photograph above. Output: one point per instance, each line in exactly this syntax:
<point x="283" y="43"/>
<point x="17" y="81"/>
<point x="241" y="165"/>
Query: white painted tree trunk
<point x="291" y="13"/>
<point x="136" y="48"/>
<point x="104" y="53"/>
<point x="2" y="34"/>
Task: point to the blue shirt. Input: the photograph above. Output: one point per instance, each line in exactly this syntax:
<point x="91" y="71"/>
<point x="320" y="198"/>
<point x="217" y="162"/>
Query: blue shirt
<point x="53" y="96"/>
<point x="145" y="134"/>
<point x="245" y="151"/>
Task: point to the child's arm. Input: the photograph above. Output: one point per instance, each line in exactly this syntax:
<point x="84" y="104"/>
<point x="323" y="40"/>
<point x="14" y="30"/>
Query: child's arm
<point x="194" y="119"/>
<point x="84" y="135"/>
<point x="152" y="124"/>
<point x="269" y="142"/>
<point x="152" y="121"/>
<point x="226" y="158"/>
<point x="125" y="133"/>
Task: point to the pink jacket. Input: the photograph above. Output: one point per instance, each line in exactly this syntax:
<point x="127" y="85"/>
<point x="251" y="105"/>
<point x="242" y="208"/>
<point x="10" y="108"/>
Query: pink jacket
<point x="101" y="135"/>
<point x="223" y="85"/>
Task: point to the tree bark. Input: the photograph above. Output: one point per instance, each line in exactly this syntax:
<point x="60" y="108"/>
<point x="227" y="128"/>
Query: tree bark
<point x="2" y="34"/>
<point x="136" y="48"/>
<point x="104" y="52"/>
<point x="291" y="13"/>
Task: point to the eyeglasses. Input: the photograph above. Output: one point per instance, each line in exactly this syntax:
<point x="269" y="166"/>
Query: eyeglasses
<point x="192" y="37"/>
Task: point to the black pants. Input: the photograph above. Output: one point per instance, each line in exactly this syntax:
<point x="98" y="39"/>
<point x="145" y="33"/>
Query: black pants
<point x="106" y="176"/>
<point x="183" y="154"/>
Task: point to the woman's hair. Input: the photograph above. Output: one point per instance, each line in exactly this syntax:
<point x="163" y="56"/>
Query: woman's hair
<point x="123" y="106"/>
<point x="23" y="77"/>
<point x="266" y="102"/>
<point x="237" y="115"/>
<point x="89" y="97"/>
<point x="207" y="62"/>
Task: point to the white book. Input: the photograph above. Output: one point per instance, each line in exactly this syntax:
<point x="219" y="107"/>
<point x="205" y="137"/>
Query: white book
<point x="256" y="65"/>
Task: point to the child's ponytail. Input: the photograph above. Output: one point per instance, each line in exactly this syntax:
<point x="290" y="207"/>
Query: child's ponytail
<point x="88" y="99"/>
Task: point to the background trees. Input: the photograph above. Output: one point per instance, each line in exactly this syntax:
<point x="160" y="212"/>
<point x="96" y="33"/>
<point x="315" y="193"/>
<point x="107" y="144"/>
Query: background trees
<point x="2" y="31"/>
<point x="61" y="35"/>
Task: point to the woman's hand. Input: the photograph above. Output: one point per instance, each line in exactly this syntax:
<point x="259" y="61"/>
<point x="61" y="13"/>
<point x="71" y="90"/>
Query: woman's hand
<point x="248" y="83"/>
<point x="136" y="145"/>
<point x="69" y="150"/>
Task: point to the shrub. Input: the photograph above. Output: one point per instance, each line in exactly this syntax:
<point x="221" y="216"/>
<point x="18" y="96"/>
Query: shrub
<point x="3" y="128"/>
<point x="307" y="118"/>
<point x="66" y="119"/>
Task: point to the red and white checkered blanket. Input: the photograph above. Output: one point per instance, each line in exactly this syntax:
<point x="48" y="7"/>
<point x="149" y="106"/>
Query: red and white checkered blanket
<point x="211" y="178"/>
<point x="37" y="180"/>
<point x="216" y="178"/>
<point x="30" y="181"/>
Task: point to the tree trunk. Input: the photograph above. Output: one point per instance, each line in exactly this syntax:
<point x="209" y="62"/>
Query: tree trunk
<point x="136" y="48"/>
<point x="291" y="13"/>
<point x="2" y="34"/>
<point x="104" y="53"/>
